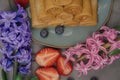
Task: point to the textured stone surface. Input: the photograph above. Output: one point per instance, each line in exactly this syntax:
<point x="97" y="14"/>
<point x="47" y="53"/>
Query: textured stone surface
<point x="110" y="72"/>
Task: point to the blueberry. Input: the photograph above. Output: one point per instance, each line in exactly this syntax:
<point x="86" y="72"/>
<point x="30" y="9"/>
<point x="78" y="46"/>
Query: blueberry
<point x="94" y="78"/>
<point x="59" y="29"/>
<point x="70" y="78"/>
<point x="44" y="33"/>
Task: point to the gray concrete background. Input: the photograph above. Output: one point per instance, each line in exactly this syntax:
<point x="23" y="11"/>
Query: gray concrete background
<point x="110" y="72"/>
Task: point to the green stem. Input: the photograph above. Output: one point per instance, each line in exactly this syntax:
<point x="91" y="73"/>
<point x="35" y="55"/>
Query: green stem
<point x="15" y="70"/>
<point x="3" y="74"/>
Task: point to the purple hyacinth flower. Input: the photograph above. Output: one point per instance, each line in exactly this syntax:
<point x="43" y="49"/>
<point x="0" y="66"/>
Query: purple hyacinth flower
<point x="21" y="14"/>
<point x="23" y="28"/>
<point x="4" y="35"/>
<point x="15" y="38"/>
<point x="12" y="35"/>
<point x="7" y="50"/>
<point x="18" y="43"/>
<point x="24" y="56"/>
<point x="25" y="69"/>
<point x="1" y="44"/>
<point x="7" y="18"/>
<point x="6" y="64"/>
<point x="24" y="36"/>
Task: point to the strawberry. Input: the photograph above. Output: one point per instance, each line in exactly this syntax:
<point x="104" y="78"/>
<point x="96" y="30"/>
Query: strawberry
<point x="64" y="69"/>
<point x="23" y="3"/>
<point x="47" y="74"/>
<point x="47" y="57"/>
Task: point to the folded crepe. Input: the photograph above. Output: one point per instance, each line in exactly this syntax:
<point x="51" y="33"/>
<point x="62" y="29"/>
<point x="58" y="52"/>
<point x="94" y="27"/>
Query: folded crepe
<point x="66" y="17"/>
<point x="62" y="2"/>
<point x="88" y="20"/>
<point x="78" y="12"/>
<point x="86" y="12"/>
<point x="56" y="22"/>
<point x="71" y="23"/>
<point x="35" y="22"/>
<point x="51" y="8"/>
<point x="42" y="15"/>
<point x="75" y="7"/>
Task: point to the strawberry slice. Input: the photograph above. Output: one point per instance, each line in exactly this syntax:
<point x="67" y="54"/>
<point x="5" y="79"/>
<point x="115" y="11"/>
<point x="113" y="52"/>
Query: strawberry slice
<point x="47" y="74"/>
<point x="47" y="57"/>
<point x="64" y="69"/>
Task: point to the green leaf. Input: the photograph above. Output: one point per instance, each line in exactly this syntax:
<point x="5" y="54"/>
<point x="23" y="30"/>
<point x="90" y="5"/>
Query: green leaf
<point x="114" y="52"/>
<point x="19" y="77"/>
<point x="3" y="74"/>
<point x="117" y="28"/>
<point x="34" y="78"/>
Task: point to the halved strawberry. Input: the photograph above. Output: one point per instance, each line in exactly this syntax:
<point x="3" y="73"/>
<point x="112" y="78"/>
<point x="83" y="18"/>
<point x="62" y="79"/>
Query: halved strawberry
<point x="47" y="57"/>
<point x="64" y="69"/>
<point x="47" y="74"/>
